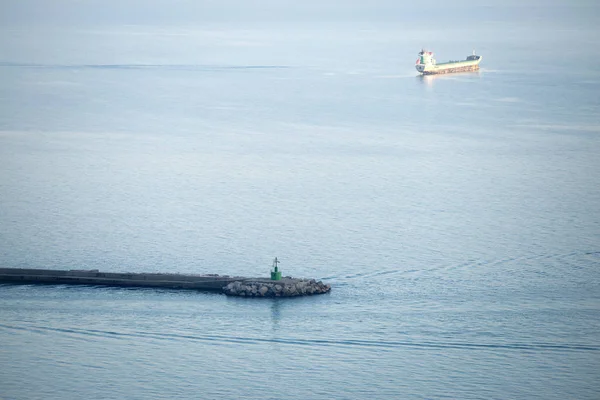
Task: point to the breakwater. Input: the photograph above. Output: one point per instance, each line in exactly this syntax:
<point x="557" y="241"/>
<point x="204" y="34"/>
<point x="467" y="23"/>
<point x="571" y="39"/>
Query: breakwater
<point x="230" y="285"/>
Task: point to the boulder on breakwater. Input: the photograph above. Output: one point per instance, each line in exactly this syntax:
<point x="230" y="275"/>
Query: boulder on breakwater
<point x="286" y="287"/>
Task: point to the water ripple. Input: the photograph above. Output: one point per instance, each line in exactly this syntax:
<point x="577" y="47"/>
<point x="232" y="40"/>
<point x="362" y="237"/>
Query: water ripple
<point x="198" y="67"/>
<point x="425" y="345"/>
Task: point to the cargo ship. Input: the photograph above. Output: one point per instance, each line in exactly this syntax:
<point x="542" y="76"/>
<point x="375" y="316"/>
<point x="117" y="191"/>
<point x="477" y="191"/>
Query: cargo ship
<point x="427" y="65"/>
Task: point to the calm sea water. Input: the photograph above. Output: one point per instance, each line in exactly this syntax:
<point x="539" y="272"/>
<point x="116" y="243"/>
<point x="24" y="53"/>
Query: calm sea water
<point x="456" y="217"/>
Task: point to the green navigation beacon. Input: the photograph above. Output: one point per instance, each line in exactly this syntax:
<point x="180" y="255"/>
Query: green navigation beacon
<point x="276" y="273"/>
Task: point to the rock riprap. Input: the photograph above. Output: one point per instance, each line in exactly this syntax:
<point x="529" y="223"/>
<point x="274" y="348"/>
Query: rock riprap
<point x="286" y="287"/>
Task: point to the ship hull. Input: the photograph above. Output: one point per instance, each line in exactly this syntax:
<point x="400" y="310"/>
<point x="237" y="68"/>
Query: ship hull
<point x="451" y="70"/>
<point x="470" y="64"/>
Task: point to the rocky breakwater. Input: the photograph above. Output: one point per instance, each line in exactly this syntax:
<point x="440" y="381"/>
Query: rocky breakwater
<point x="286" y="287"/>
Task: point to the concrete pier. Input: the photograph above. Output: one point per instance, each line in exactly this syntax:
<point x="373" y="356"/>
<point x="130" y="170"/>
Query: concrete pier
<point x="252" y="287"/>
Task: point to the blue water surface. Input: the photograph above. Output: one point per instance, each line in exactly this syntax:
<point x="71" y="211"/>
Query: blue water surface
<point x="456" y="217"/>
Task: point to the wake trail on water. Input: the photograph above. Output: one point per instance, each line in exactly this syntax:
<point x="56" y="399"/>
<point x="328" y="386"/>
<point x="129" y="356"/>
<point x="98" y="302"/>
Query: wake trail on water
<point x="228" y="339"/>
<point x="569" y="259"/>
<point x="198" y="67"/>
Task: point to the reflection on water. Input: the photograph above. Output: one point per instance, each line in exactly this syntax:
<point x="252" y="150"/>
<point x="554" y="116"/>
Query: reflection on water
<point x="428" y="80"/>
<point x="275" y="313"/>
